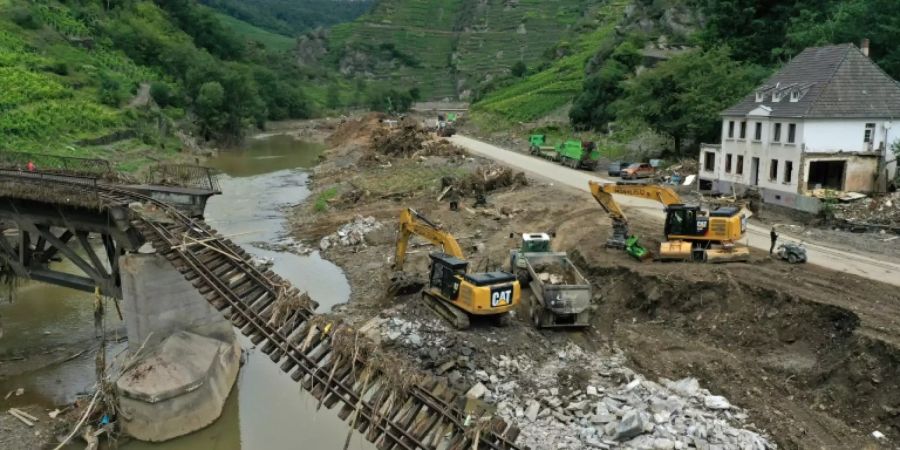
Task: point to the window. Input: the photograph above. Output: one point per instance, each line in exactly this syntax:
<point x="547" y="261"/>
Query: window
<point x="709" y="161"/>
<point x="792" y="133"/>
<point x="743" y="130"/>
<point x="795" y="96"/>
<point x="776" y="134"/>
<point x="788" y="171"/>
<point x="757" y="133"/>
<point x="740" y="165"/>
<point x="728" y="163"/>
<point x="870" y="133"/>
<point x="730" y="129"/>
<point x="773" y="170"/>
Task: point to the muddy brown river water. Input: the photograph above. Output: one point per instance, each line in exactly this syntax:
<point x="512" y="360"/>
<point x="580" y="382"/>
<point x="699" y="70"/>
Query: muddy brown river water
<point x="266" y="410"/>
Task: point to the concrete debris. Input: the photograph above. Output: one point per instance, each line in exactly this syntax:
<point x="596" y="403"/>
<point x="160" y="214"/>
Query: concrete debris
<point x="477" y="391"/>
<point x="880" y="210"/>
<point x="878" y="435"/>
<point x="351" y="234"/>
<point x="603" y="405"/>
<point x="716" y="402"/>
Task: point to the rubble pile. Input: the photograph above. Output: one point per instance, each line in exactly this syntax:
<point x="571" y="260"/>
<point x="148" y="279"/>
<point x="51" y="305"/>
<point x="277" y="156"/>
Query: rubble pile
<point x="441" y="147"/>
<point x="488" y="179"/>
<point x="574" y="399"/>
<point x="882" y="210"/>
<point x="352" y="233"/>
<point x="555" y="273"/>
<point x="402" y="141"/>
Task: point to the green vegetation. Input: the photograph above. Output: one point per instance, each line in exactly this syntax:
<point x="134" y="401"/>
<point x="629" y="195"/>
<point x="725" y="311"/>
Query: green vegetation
<point x="74" y="77"/>
<point x="272" y="41"/>
<point x="321" y="203"/>
<point x="291" y="17"/>
<point x="451" y="47"/>
<point x="553" y="87"/>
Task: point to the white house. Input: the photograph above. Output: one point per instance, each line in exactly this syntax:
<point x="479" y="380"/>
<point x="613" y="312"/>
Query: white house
<point x="827" y="119"/>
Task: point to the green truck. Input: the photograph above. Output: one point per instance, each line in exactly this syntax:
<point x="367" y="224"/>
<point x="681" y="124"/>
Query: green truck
<point x="538" y="146"/>
<point x="578" y="154"/>
<point x="572" y="153"/>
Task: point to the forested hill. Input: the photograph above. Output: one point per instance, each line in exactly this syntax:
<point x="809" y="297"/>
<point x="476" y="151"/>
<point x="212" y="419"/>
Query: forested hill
<point x="291" y="17"/>
<point x="76" y="76"/>
<point x="659" y="72"/>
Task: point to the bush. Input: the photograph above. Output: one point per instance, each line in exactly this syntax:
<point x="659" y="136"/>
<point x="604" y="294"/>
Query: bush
<point x="323" y="198"/>
<point x="111" y="91"/>
<point x="24" y="18"/>
<point x="519" y="69"/>
<point x="161" y="93"/>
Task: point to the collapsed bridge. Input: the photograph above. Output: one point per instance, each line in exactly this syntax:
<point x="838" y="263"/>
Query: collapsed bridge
<point x="393" y="405"/>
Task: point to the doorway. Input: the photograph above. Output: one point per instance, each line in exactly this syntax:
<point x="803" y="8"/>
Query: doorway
<point x="826" y="175"/>
<point x="754" y="171"/>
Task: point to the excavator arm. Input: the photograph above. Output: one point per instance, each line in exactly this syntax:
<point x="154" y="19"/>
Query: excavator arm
<point x="411" y="222"/>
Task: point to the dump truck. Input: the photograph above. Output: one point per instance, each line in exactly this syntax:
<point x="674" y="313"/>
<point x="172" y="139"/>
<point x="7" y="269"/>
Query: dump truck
<point x="561" y="294"/>
<point x="537" y="145"/>
<point x="578" y="154"/>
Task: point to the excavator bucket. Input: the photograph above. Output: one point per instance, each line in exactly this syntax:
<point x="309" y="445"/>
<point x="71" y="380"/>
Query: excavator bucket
<point x="725" y="254"/>
<point x="675" y="251"/>
<point x="636" y="250"/>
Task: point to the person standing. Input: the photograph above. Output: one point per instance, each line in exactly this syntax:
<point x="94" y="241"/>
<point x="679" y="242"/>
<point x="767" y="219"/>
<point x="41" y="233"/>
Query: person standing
<point x="30" y="166"/>
<point x="774" y="236"/>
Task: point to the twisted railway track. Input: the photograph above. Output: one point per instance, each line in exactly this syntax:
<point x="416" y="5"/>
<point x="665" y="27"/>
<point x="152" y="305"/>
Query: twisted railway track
<point x="279" y="319"/>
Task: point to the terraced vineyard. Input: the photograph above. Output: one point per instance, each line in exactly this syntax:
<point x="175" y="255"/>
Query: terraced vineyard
<point x="459" y="43"/>
<point x="544" y="92"/>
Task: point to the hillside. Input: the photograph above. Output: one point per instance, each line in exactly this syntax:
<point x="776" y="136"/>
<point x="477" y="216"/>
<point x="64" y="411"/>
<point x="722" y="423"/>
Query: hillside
<point x="83" y="80"/>
<point x="448" y="48"/>
<point x="291" y="17"/>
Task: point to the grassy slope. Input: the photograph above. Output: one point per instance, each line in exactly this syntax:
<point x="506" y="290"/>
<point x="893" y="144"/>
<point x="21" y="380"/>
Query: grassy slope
<point x="272" y="41"/>
<point x="547" y="91"/>
<point x="49" y="97"/>
<point x="490" y="43"/>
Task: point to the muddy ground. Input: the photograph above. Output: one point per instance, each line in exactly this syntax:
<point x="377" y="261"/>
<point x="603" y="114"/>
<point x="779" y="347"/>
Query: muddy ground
<point x="811" y="354"/>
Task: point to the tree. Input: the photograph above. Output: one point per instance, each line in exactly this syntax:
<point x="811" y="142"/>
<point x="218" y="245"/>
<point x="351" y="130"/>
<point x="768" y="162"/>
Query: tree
<point x="208" y="106"/>
<point x="519" y="69"/>
<point x="161" y="93"/>
<point x="111" y="92"/>
<point x="593" y="106"/>
<point x="682" y="97"/>
<point x="333" y="97"/>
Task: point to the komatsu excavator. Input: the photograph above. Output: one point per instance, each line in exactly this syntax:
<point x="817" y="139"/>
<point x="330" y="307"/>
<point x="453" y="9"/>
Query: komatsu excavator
<point x="452" y="292"/>
<point x="691" y="233"/>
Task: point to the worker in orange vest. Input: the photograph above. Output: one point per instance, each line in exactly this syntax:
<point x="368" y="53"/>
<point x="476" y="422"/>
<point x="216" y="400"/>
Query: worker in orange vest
<point x="30" y="166"/>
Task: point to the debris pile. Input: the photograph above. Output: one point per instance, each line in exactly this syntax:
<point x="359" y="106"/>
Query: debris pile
<point x="441" y="147"/>
<point x="402" y="141"/>
<point x="555" y="273"/>
<point x="882" y="210"/>
<point x="574" y="399"/>
<point x="489" y="179"/>
<point x="352" y="233"/>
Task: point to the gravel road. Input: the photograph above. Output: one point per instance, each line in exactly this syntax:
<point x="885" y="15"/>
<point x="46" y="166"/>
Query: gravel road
<point x="869" y="266"/>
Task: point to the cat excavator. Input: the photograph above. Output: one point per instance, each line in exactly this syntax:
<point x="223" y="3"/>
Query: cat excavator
<point x="451" y="291"/>
<point x="691" y="233"/>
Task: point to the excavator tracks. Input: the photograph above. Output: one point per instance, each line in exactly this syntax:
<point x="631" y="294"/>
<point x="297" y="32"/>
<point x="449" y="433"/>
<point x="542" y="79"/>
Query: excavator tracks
<point x="280" y="320"/>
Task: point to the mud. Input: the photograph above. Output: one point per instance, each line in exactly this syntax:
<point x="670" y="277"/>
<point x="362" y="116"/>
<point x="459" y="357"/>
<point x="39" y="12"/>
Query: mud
<point x="810" y="354"/>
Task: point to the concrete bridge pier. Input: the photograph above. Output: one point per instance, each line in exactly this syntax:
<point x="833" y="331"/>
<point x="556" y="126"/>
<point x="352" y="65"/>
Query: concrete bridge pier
<point x="190" y="357"/>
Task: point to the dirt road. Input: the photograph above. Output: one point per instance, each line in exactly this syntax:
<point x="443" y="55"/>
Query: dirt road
<point x="868" y="266"/>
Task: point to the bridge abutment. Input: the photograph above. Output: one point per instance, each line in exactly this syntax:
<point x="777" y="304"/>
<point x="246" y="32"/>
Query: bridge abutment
<point x="190" y="357"/>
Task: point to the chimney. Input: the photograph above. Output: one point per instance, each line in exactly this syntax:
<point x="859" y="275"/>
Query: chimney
<point x="865" y="46"/>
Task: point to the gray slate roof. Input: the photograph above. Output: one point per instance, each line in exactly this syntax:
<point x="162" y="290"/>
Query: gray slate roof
<point x="841" y="82"/>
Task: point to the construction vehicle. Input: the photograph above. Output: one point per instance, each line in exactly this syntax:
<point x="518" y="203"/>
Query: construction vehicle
<point x="561" y="295"/>
<point x="792" y="253"/>
<point x="537" y="145"/>
<point x="578" y="154"/>
<point x="691" y="233"/>
<point x="450" y="290"/>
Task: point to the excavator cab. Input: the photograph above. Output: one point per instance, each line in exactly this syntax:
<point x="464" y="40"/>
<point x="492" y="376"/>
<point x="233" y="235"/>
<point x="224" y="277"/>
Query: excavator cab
<point x="685" y="220"/>
<point x="445" y="274"/>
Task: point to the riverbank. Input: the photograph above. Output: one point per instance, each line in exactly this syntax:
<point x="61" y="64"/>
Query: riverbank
<point x="787" y="343"/>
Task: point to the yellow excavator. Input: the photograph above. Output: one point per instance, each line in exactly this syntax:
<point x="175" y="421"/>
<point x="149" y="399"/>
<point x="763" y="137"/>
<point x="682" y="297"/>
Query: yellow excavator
<point x="451" y="291"/>
<point x="691" y="233"/>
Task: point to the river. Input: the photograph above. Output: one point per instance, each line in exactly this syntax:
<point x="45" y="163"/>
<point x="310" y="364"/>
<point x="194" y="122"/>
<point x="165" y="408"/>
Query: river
<point x="266" y="409"/>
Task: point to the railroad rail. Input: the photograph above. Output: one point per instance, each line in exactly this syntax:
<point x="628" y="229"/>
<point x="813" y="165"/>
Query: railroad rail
<point x="279" y="319"/>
